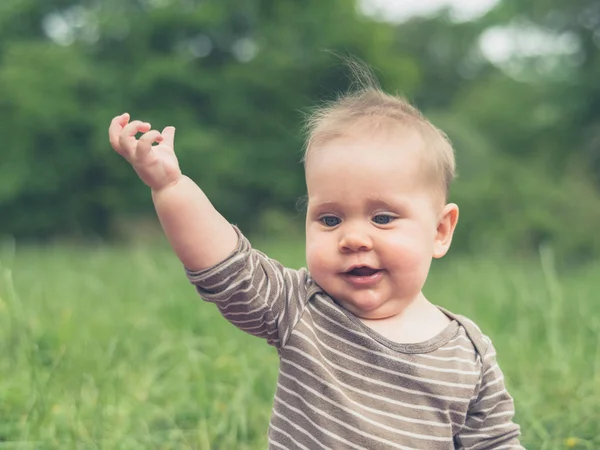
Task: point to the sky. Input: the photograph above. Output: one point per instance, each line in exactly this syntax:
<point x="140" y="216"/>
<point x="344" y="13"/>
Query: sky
<point x="400" y="10"/>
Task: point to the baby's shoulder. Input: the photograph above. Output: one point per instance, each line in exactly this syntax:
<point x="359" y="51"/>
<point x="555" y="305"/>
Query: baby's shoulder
<point x="480" y="341"/>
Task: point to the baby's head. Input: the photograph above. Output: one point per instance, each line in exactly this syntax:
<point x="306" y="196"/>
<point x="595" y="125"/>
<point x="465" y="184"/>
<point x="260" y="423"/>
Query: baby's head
<point x="378" y="175"/>
<point x="371" y="111"/>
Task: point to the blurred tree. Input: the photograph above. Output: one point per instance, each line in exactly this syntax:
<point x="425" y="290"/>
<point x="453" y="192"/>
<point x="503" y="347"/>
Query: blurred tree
<point x="235" y="79"/>
<point x="568" y="100"/>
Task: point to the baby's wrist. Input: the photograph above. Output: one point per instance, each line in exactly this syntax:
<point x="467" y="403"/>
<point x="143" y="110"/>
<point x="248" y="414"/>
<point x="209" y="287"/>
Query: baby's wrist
<point x="166" y="186"/>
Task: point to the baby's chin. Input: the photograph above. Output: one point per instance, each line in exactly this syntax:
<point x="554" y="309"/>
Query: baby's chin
<point x="368" y="309"/>
<point x="378" y="309"/>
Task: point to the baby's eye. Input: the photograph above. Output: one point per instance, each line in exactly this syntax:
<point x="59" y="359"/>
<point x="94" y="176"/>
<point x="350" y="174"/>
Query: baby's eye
<point x="330" y="221"/>
<point x="383" y="219"/>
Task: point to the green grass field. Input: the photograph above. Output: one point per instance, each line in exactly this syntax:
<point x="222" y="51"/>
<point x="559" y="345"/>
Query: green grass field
<point x="110" y="348"/>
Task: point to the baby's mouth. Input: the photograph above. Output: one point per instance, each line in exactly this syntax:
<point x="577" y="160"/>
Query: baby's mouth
<point x="362" y="271"/>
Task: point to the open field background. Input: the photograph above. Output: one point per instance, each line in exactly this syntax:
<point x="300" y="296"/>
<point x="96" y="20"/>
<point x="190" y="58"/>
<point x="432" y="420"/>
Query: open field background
<point x="110" y="348"/>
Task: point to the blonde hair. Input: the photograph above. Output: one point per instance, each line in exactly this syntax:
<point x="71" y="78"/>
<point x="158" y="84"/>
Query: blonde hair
<point x="366" y="101"/>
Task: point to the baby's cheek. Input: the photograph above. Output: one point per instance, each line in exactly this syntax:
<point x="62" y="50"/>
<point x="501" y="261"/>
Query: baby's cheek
<point x="314" y="257"/>
<point x="409" y="253"/>
<point x="320" y="262"/>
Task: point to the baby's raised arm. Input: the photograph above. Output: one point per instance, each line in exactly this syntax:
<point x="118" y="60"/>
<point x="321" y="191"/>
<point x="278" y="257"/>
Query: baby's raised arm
<point x="200" y="236"/>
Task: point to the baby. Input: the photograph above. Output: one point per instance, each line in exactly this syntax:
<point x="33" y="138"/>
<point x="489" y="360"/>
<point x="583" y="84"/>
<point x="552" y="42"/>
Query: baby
<point x="366" y="361"/>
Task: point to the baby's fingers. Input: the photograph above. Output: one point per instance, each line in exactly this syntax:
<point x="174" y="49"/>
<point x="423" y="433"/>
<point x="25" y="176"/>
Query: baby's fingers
<point x="168" y="135"/>
<point x="127" y="140"/>
<point x="145" y="143"/>
<point x="115" y="129"/>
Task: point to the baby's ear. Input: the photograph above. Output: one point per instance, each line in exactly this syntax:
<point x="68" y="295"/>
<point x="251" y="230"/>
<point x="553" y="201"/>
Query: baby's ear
<point x="445" y="230"/>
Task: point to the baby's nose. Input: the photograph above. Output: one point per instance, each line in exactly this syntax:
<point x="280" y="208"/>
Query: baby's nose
<point x="355" y="241"/>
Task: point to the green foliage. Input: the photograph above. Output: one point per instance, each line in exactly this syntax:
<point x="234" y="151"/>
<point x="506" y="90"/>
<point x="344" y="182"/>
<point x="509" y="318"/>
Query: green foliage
<point x="235" y="79"/>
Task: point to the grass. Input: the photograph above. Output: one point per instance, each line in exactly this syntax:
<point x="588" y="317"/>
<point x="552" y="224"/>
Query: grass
<point x="110" y="348"/>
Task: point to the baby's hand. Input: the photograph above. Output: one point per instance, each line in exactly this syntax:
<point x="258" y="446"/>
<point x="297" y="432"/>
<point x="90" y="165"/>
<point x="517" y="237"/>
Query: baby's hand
<point x="156" y="165"/>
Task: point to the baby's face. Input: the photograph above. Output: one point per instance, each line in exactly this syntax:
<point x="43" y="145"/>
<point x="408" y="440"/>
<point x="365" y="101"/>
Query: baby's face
<point x="371" y="222"/>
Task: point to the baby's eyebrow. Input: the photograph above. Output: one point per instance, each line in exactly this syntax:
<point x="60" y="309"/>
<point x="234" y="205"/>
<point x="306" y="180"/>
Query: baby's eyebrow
<point x="371" y="204"/>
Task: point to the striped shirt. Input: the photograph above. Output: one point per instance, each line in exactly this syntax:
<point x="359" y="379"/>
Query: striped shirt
<point x="343" y="386"/>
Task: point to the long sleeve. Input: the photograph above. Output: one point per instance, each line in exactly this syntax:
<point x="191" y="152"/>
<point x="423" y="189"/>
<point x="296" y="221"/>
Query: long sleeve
<point x="489" y="423"/>
<point x="254" y="292"/>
